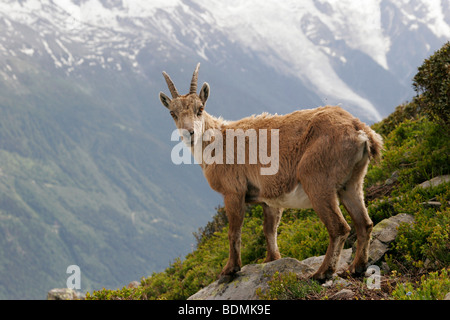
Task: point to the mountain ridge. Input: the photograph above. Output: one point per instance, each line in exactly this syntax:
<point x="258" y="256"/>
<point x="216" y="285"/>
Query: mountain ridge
<point x="108" y="33"/>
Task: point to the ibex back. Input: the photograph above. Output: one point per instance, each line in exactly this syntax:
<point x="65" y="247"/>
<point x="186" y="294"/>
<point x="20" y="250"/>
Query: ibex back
<point x="323" y="158"/>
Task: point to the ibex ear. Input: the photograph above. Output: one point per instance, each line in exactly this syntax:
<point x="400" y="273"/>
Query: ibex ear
<point x="165" y="100"/>
<point x="204" y="93"/>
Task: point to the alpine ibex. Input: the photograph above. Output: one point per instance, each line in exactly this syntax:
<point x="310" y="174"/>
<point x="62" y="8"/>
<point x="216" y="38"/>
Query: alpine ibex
<point x="323" y="158"/>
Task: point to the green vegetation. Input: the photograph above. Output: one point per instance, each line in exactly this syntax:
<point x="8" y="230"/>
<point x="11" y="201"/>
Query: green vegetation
<point x="432" y="82"/>
<point x="289" y="287"/>
<point x="433" y="286"/>
<point x="426" y="243"/>
<point x="417" y="148"/>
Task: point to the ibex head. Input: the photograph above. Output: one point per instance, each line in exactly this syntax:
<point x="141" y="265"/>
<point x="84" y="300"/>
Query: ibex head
<point x="186" y="110"/>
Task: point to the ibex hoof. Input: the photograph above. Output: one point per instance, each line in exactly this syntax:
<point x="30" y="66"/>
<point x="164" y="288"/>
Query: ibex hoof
<point x="228" y="274"/>
<point x="226" y="278"/>
<point x="322" y="277"/>
<point x="354" y="271"/>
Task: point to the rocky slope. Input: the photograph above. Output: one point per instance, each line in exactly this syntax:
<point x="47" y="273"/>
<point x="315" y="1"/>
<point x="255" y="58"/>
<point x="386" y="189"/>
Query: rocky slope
<point x="252" y="279"/>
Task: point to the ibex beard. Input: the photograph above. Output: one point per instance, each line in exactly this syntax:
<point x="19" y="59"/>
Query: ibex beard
<point x="318" y="159"/>
<point x="215" y="147"/>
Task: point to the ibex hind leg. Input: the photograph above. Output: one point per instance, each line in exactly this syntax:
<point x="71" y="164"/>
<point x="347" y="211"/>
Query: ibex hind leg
<point x="319" y="183"/>
<point x="352" y="198"/>
<point x="338" y="229"/>
<point x="324" y="200"/>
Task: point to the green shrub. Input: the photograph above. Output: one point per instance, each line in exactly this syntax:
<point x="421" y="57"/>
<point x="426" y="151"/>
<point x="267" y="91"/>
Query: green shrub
<point x="406" y="111"/>
<point x="219" y="221"/>
<point x="432" y="83"/>
<point x="416" y="150"/>
<point x="119" y="294"/>
<point x="431" y="287"/>
<point x="289" y="287"/>
<point x="380" y="209"/>
<point x="426" y="242"/>
<point x="303" y="237"/>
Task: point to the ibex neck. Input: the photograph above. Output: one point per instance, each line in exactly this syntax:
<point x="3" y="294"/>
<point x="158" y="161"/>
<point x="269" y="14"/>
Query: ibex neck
<point x="211" y="122"/>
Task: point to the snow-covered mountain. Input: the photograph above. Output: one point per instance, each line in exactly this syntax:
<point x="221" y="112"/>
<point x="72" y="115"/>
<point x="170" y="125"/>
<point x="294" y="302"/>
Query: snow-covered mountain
<point x="360" y="54"/>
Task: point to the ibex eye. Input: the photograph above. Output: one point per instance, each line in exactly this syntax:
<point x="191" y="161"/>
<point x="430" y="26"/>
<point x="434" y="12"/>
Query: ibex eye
<point x="199" y="113"/>
<point x="173" y="114"/>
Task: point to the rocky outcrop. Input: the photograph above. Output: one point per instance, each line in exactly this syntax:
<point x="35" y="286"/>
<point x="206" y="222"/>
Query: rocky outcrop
<point x="255" y="276"/>
<point x="383" y="234"/>
<point x="62" y="294"/>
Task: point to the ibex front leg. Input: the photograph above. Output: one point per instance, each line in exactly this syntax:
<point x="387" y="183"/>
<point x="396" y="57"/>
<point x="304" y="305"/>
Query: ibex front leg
<point x="234" y="207"/>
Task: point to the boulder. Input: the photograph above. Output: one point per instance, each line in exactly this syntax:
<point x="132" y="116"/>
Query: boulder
<point x="384" y="233"/>
<point x="62" y="294"/>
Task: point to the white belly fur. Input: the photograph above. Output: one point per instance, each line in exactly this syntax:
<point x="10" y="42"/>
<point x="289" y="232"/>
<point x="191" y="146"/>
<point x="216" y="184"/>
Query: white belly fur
<point x="296" y="199"/>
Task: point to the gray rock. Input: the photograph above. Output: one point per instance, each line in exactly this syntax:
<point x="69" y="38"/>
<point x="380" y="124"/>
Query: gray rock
<point x="62" y="294"/>
<point x="255" y="276"/>
<point x="134" y="284"/>
<point x="447" y="296"/>
<point x="384" y="233"/>
<point x="433" y="204"/>
<point x="337" y="282"/>
<point x="435" y="181"/>
<point x="392" y="179"/>
<point x="344" y="294"/>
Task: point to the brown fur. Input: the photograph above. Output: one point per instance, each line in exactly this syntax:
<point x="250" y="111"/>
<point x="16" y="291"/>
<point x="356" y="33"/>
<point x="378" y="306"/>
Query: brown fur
<point x="325" y="151"/>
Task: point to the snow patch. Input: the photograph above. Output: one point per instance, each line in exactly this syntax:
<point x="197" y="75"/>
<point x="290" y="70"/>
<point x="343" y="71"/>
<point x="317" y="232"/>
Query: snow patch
<point x="57" y="63"/>
<point x="27" y="51"/>
<point x="427" y="13"/>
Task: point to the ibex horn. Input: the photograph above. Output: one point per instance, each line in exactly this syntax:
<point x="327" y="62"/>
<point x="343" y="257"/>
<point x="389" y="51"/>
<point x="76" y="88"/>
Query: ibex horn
<point x="171" y="86"/>
<point x="194" y="80"/>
